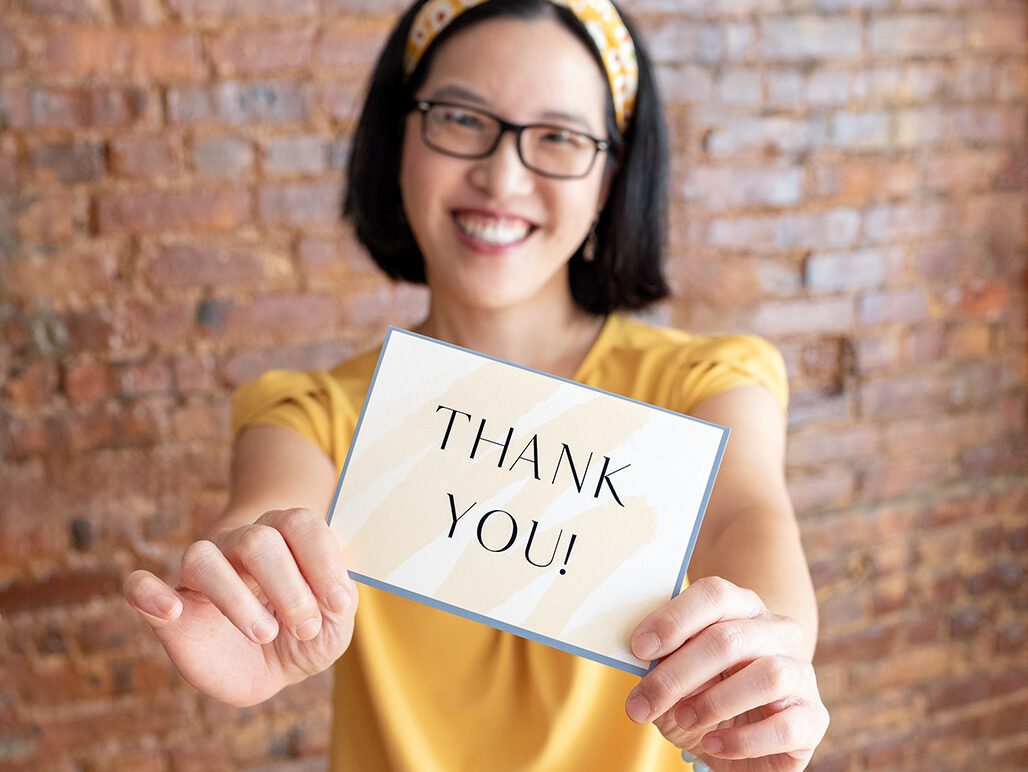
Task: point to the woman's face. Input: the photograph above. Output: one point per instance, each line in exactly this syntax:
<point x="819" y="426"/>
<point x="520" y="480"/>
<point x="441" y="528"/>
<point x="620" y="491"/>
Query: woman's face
<point x="494" y="234"/>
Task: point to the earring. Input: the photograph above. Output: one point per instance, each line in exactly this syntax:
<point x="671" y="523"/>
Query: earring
<point x="589" y="247"/>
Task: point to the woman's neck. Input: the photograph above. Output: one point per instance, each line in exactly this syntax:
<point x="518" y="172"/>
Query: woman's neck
<point x="554" y="339"/>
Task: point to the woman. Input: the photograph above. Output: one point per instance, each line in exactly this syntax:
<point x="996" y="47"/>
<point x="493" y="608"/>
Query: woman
<point x="511" y="155"/>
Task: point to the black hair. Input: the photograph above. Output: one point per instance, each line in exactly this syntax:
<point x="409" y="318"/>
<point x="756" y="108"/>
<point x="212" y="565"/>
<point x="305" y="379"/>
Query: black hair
<point x="627" y="272"/>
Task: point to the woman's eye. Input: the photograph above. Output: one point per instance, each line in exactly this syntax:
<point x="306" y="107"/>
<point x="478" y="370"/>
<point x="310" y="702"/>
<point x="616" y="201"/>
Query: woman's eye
<point x="463" y="119"/>
<point x="563" y="138"/>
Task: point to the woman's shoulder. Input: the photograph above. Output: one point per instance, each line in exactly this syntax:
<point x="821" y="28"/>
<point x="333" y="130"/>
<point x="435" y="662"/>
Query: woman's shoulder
<point x="637" y="336"/>
<point x="695" y="365"/>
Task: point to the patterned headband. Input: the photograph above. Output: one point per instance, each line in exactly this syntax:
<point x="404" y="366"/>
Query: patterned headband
<point x="600" y="18"/>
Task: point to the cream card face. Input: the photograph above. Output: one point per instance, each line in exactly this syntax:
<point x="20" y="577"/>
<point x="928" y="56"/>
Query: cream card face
<point x="542" y="507"/>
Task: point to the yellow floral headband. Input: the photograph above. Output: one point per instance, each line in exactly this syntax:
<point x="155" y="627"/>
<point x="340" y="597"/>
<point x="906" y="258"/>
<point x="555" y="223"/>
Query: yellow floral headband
<point x="599" y="17"/>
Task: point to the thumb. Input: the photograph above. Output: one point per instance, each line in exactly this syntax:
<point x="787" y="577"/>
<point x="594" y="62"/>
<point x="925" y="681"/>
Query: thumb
<point x="156" y="602"/>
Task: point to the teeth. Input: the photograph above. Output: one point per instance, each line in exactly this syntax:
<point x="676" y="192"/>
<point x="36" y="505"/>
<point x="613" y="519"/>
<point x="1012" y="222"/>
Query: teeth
<point x="501" y="231"/>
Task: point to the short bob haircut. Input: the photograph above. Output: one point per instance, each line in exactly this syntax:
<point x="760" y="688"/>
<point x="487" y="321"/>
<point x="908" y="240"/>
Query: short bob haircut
<point x="627" y="271"/>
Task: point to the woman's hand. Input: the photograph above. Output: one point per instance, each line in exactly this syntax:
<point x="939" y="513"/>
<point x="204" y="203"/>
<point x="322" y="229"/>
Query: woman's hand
<point x="734" y="686"/>
<point x="259" y="607"/>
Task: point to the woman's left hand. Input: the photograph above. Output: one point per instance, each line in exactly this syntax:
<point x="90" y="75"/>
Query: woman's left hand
<point x="734" y="686"/>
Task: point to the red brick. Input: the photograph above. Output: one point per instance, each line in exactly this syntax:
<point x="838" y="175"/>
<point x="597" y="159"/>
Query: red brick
<point x="69" y="162"/>
<point x="868" y="178"/>
<point x="139" y="378"/>
<point x="112" y="52"/>
<point x="224" y="157"/>
<point x="827" y="446"/>
<point x="196" y="421"/>
<point x="194" y="265"/>
<point x="78" y="10"/>
<point x="978" y="299"/>
<point x="306" y="154"/>
<point x="219" y="10"/>
<point x="890" y="223"/>
<point x="864" y="131"/>
<point x="906" y="476"/>
<point x="84" y="382"/>
<point x="907" y="306"/>
<point x="52" y="216"/>
<point x="147" y="13"/>
<point x="147" y="156"/>
<point x="994" y="31"/>
<point x="194" y="373"/>
<point x="247" y="364"/>
<point x="915" y="34"/>
<point x="826" y="490"/>
<point x="275" y="316"/>
<point x="764" y="137"/>
<point x="314" y="203"/>
<point x="810" y="37"/>
<point x="905" y="395"/>
<point x="834" y="271"/>
<point x="721" y="188"/>
<point x="987" y="123"/>
<point x="30" y="385"/>
<point x="92" y="329"/>
<point x="341" y="99"/>
<point x="155" y="211"/>
<point x="804" y="316"/>
<point x="81" y="273"/>
<point x="259" y="51"/>
<point x="684" y="41"/>
<point x="86" y="107"/>
<point x="160" y="324"/>
<point x="351" y="43"/>
<point x="127" y="718"/>
<point x="58" y="589"/>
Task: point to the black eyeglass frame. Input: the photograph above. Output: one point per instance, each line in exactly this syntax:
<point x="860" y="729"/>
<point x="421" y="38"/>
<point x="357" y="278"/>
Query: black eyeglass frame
<point x="424" y="105"/>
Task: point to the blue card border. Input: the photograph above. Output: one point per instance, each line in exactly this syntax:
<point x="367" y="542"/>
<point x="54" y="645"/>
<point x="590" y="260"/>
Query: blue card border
<point x="475" y="617"/>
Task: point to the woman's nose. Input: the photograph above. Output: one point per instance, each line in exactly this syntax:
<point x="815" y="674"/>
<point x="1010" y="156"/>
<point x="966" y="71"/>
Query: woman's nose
<point x="502" y="174"/>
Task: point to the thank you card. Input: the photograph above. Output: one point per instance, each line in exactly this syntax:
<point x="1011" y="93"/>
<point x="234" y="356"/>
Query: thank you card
<point x="537" y="505"/>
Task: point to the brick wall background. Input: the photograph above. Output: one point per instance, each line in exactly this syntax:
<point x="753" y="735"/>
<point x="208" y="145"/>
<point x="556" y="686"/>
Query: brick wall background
<point x="851" y="180"/>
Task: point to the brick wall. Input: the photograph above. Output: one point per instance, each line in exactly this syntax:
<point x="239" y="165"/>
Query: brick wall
<point x="850" y="181"/>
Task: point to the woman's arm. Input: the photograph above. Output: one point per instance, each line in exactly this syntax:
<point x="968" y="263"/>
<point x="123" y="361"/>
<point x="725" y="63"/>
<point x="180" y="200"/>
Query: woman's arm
<point x="735" y="685"/>
<point x="265" y="601"/>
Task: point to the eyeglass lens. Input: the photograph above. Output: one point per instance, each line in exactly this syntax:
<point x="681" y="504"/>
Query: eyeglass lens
<point x="469" y="133"/>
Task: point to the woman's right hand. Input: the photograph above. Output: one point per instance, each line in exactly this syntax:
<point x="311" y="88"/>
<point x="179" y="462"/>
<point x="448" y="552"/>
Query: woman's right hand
<point x="259" y="607"/>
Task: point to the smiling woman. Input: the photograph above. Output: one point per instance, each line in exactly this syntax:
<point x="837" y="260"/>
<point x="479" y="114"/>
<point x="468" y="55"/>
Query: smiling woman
<point x="511" y="155"/>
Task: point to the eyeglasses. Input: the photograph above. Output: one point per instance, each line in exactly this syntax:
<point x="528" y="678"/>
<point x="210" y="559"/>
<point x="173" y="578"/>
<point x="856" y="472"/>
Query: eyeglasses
<point x="546" y="149"/>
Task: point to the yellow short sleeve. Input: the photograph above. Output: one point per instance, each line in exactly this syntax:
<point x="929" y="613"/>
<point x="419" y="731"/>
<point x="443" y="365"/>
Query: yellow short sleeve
<point x="723" y="362"/>
<point x="311" y="403"/>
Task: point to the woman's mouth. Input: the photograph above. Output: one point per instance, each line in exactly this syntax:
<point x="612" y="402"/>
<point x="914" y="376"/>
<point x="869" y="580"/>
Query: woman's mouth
<point x="496" y="231"/>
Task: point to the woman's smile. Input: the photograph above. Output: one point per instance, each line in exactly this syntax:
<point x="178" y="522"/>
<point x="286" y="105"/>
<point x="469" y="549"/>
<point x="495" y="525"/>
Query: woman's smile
<point x="487" y="232"/>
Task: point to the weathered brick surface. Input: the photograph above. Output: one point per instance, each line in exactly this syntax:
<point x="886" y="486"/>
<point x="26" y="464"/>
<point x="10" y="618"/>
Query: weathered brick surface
<point x="850" y="180"/>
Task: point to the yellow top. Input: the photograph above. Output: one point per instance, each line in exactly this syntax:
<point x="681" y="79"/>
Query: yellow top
<point x="421" y="690"/>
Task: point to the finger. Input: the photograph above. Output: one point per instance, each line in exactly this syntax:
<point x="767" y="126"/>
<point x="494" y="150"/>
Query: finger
<point x="207" y="571"/>
<point x="158" y="603"/>
<point x="796" y="731"/>
<point x="698" y="606"/>
<point x="724" y="646"/>
<point x="762" y="682"/>
<point x="318" y="554"/>
<point x="261" y="551"/>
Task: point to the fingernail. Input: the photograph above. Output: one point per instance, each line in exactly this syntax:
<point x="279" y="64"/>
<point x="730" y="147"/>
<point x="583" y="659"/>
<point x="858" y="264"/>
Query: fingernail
<point x="638" y="708"/>
<point x="308" y="629"/>
<point x="685" y="716"/>
<point x="646" y="645"/>
<point x="265" y="629"/>
<point x="166" y="605"/>
<point x="713" y="744"/>
<point x="339" y="599"/>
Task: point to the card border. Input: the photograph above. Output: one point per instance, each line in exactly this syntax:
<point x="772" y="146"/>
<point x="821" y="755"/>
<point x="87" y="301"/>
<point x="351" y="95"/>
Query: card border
<point x="495" y="623"/>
